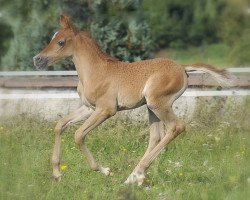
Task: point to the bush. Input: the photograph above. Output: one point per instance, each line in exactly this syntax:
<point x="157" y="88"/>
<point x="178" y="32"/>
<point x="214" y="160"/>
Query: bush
<point x="178" y="23"/>
<point x="32" y="27"/>
<point x="36" y="21"/>
<point x="195" y="22"/>
<point x="240" y="54"/>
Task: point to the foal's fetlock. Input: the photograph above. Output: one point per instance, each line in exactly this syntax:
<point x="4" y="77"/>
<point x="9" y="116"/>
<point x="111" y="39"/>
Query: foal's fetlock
<point x="135" y="177"/>
<point x="57" y="176"/>
<point x="106" y="171"/>
<point x="56" y="171"/>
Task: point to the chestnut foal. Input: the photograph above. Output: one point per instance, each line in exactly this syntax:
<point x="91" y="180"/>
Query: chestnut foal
<point x="107" y="85"/>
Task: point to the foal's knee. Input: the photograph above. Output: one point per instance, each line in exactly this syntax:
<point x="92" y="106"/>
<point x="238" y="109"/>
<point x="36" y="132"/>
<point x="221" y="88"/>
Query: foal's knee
<point x="78" y="137"/>
<point x="59" y="127"/>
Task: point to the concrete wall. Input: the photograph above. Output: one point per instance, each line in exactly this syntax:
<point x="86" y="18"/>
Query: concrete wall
<point x="51" y="104"/>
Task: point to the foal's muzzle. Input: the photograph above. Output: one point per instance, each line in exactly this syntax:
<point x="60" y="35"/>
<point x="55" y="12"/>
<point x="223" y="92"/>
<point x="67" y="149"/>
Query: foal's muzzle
<point x="40" y="62"/>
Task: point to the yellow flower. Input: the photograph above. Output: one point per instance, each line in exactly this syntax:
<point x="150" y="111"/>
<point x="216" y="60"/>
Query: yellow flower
<point x="63" y="167"/>
<point x="180" y="174"/>
<point x="242" y="150"/>
<point x="1" y="128"/>
<point x="123" y="149"/>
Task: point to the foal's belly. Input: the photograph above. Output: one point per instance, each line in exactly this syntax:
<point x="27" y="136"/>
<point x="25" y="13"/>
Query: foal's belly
<point x="130" y="101"/>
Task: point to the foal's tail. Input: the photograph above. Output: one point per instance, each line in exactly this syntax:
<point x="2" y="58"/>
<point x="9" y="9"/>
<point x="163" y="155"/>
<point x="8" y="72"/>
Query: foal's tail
<point x="222" y="76"/>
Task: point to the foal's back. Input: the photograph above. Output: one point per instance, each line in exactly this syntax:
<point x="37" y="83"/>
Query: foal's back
<point x="131" y="82"/>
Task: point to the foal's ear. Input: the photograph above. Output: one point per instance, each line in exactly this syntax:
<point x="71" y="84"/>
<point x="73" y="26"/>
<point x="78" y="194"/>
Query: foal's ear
<point x="66" y="23"/>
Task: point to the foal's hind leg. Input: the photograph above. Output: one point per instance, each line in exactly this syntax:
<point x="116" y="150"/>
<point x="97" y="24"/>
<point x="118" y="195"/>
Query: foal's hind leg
<point x="78" y="115"/>
<point x="175" y="127"/>
<point x="156" y="128"/>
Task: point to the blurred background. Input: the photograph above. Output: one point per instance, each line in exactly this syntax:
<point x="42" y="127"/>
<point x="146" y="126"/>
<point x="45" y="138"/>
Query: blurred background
<point x="212" y="31"/>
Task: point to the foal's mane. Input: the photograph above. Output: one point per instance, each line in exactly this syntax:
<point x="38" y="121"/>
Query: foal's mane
<point x="94" y="45"/>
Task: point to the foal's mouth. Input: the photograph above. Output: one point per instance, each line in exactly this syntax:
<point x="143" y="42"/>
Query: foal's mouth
<point x="40" y="62"/>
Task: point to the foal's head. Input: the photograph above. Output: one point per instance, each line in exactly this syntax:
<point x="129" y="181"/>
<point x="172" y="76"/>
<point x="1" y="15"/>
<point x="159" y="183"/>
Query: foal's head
<point x="60" y="46"/>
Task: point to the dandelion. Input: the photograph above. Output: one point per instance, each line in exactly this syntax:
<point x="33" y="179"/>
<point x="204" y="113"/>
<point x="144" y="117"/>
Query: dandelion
<point x="123" y="149"/>
<point x="63" y="167"/>
<point x="181" y="174"/>
<point x="242" y="150"/>
<point x="1" y="128"/>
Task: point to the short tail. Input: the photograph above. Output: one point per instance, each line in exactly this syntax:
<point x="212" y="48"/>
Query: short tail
<point x="222" y="76"/>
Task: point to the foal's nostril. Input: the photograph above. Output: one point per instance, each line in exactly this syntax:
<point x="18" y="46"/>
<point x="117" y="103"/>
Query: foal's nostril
<point x="37" y="58"/>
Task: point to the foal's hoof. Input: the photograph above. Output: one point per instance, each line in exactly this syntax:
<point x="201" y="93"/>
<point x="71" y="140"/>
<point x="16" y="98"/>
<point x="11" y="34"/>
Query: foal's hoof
<point x="57" y="177"/>
<point x="135" y="177"/>
<point x="106" y="171"/>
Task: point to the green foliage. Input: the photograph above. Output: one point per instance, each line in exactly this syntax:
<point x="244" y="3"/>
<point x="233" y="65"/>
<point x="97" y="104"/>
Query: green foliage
<point x="214" y="54"/>
<point x="240" y="54"/>
<point x="127" y="29"/>
<point x="121" y="30"/>
<point x="31" y="27"/>
<point x="5" y="36"/>
<point x="234" y="30"/>
<point x="177" y="23"/>
<point x="36" y="22"/>
<point x="195" y="21"/>
<point x="129" y="42"/>
<point x="233" y="20"/>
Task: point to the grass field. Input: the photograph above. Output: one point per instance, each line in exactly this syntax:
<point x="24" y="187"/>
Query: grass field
<point x="210" y="160"/>
<point x="215" y="54"/>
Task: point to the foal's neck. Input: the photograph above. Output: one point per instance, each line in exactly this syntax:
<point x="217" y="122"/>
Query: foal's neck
<point x="85" y="58"/>
<point x="88" y="57"/>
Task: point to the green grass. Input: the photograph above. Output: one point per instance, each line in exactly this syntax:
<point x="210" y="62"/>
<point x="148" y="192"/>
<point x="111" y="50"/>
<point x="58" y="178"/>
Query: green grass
<point x="215" y="54"/>
<point x="210" y="160"/>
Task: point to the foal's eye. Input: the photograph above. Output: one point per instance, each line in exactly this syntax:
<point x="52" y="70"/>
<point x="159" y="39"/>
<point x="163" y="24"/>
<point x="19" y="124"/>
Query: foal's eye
<point x="61" y="43"/>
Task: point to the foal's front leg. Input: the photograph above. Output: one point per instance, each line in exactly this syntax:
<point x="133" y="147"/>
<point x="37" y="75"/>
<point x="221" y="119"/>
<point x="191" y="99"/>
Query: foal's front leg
<point x="98" y="116"/>
<point x="78" y="115"/>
